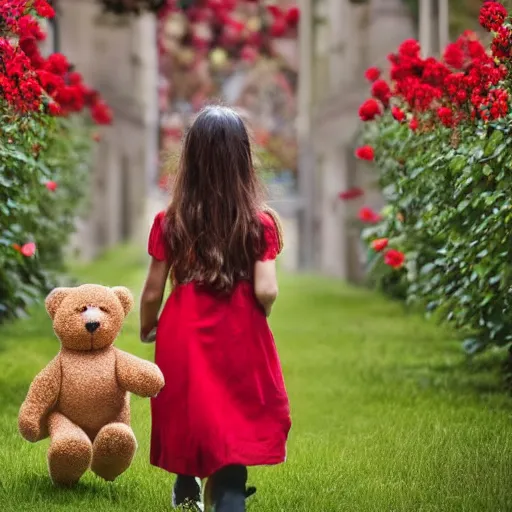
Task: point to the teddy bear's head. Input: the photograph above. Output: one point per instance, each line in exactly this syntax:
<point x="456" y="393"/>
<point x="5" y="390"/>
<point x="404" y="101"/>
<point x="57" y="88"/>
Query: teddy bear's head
<point x="88" y="317"/>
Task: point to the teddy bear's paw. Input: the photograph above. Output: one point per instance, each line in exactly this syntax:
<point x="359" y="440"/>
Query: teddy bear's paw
<point x="113" y="451"/>
<point x="68" y="459"/>
<point x="29" y="430"/>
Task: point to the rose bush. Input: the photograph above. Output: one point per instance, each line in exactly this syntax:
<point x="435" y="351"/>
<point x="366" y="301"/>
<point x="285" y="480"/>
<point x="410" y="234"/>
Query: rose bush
<point x="224" y="29"/>
<point x="203" y="45"/>
<point x="440" y="132"/>
<point x="44" y="147"/>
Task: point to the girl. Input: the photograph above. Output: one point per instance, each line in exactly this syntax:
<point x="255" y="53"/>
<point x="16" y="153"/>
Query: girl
<point x="224" y="406"/>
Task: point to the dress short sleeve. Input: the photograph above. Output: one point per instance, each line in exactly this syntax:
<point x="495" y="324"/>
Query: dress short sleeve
<point x="156" y="245"/>
<point x="272" y="235"/>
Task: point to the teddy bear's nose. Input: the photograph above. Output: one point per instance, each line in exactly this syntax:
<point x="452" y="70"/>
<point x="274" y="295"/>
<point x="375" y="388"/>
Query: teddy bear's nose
<point x="92" y="326"/>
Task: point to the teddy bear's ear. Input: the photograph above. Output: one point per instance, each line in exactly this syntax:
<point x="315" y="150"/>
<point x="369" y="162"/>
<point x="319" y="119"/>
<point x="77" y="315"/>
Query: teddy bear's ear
<point x="54" y="300"/>
<point x="125" y="298"/>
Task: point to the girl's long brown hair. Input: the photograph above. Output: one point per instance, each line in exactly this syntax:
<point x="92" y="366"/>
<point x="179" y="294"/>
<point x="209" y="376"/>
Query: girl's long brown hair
<point x="212" y="230"/>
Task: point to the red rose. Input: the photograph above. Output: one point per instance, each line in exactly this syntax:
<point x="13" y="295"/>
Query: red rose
<point x="293" y="16"/>
<point x="381" y="91"/>
<point x="75" y="78"/>
<point x="278" y="27"/>
<point x="54" y="109"/>
<point x="372" y="74"/>
<point x="454" y="56"/>
<point x="275" y="10"/>
<point x="29" y="28"/>
<point x="398" y="114"/>
<point x="255" y="39"/>
<point x="28" y="250"/>
<point x="51" y="186"/>
<point x="492" y="15"/>
<point x="369" y="216"/>
<point x="235" y="25"/>
<point x="44" y="9"/>
<point x="369" y="110"/>
<point x="502" y="43"/>
<point x="413" y="125"/>
<point x="462" y="95"/>
<point x="409" y="48"/>
<point x="380" y="244"/>
<point x="352" y="193"/>
<point x="394" y="258"/>
<point x="57" y="63"/>
<point x="365" y="153"/>
<point x="445" y="115"/>
<point x="101" y="113"/>
<point x="248" y="53"/>
<point x="50" y="81"/>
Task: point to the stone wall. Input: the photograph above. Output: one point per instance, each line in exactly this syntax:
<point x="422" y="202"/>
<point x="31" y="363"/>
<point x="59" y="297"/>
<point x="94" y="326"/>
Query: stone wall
<point x="345" y="39"/>
<point x="118" y="57"/>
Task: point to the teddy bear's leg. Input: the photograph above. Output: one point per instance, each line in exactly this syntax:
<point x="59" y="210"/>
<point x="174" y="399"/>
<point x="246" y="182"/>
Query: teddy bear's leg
<point x="113" y="450"/>
<point x="70" y="452"/>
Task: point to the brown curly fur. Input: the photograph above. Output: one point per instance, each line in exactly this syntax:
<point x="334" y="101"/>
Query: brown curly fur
<point x="81" y="398"/>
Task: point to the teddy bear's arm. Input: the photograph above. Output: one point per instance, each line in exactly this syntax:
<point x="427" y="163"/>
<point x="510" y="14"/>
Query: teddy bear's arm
<point x="42" y="396"/>
<point x="137" y="375"/>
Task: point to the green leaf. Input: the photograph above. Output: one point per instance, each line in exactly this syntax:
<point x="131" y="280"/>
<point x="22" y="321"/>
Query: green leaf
<point x="473" y="346"/>
<point x="493" y="142"/>
<point x="494" y="279"/>
<point x="458" y="163"/>
<point x="487" y="170"/>
<point x="463" y="205"/>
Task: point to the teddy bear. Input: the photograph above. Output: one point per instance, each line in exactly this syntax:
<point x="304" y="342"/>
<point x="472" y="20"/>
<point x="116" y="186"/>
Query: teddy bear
<point x="81" y="399"/>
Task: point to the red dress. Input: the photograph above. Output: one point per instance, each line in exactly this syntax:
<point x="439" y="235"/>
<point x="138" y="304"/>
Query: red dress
<point x="224" y="400"/>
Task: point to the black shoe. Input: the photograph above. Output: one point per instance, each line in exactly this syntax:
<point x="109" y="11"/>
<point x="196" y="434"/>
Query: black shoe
<point x="210" y="506"/>
<point x="186" y="494"/>
<point x="230" y="500"/>
<point x="226" y="491"/>
<point x="249" y="491"/>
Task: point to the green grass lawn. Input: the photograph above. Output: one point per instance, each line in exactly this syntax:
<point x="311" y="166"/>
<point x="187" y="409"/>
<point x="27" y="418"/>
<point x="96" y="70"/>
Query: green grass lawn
<point x="388" y="414"/>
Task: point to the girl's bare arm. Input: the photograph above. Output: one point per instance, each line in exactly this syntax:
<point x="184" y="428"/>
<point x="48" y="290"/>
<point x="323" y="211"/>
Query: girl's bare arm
<point x="265" y="284"/>
<point x="152" y="296"/>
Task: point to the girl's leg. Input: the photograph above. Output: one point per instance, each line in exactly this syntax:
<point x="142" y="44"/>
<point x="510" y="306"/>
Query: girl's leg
<point x="225" y="490"/>
<point x="187" y="491"/>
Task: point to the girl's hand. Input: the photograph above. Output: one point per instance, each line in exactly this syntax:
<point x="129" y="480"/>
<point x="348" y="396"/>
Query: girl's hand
<point x="151" y="299"/>
<point x="148" y="337"/>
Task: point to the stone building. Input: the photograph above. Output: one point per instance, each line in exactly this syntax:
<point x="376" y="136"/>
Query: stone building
<point x="339" y="40"/>
<point x="263" y="91"/>
<point x="118" y="57"/>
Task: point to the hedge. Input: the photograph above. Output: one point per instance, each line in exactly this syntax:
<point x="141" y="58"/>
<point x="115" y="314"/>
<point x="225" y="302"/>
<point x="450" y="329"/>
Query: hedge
<point x="439" y="135"/>
<point x="45" y="143"/>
